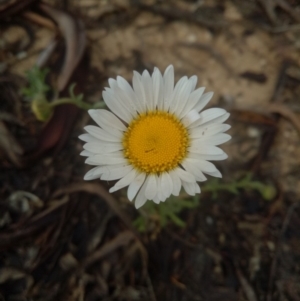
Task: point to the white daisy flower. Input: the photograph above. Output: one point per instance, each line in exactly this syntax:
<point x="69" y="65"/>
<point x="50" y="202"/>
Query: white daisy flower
<point x="156" y="138"/>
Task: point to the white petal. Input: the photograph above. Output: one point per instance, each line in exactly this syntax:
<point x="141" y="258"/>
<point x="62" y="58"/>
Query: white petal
<point x="189" y="188"/>
<point x="189" y="87"/>
<point x="108" y="129"/>
<point x="193" y="79"/>
<point x="86" y="153"/>
<point x="135" y="185"/>
<point x="209" y="115"/>
<point x="112" y="83"/>
<point x="141" y="198"/>
<point x="151" y="186"/>
<point x="99" y="170"/>
<point x="116" y="173"/>
<point x="190" y="118"/>
<point x="219" y="119"/>
<point x="203" y="149"/>
<point x="178" y="90"/>
<point x="203" y="101"/>
<point x="116" y="106"/>
<point x="192" y="166"/>
<point x="156" y="200"/>
<point x="166" y="184"/>
<point x="93" y="174"/>
<point x="182" y="96"/>
<point x="107" y="120"/>
<point x="102" y="147"/>
<point x="184" y="175"/>
<point x="200" y="176"/>
<point x="139" y="90"/>
<point x="148" y="88"/>
<point x="128" y="94"/>
<point x="160" y="194"/>
<point x="158" y="87"/>
<point x="100" y="133"/>
<point x="209" y="157"/>
<point x="216" y="139"/>
<point x="113" y="158"/>
<point x="124" y="181"/>
<point x="168" y="79"/>
<point x="203" y="165"/>
<point x="197" y="188"/>
<point x="192" y="101"/>
<point x="87" y="138"/>
<point x="124" y="85"/>
<point x="216" y="174"/>
<point x="208" y="130"/>
<point x="176" y="183"/>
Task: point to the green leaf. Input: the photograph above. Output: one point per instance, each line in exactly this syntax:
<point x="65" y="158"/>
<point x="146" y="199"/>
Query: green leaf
<point x="177" y="221"/>
<point x="37" y="87"/>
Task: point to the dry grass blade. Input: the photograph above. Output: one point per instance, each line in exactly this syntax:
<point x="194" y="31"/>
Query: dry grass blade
<point x="40" y="20"/>
<point x="251" y="117"/>
<point x="74" y="35"/>
<point x="285" y="112"/>
<point x="122" y="239"/>
<point x="54" y="206"/>
<point x="8" y="274"/>
<point x="46" y="54"/>
<point x="28" y="226"/>
<point x="247" y="288"/>
<point x="97" y="236"/>
<point x="9" y="146"/>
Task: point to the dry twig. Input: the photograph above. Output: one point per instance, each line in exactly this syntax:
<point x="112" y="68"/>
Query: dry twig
<point x="246" y="286"/>
<point x="122" y="239"/>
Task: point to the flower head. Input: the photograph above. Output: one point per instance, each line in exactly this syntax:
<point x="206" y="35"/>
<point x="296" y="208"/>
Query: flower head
<point x="155" y="139"/>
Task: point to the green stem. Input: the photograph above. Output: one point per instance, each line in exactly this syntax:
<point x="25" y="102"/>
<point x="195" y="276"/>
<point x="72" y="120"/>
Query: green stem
<point x="78" y="103"/>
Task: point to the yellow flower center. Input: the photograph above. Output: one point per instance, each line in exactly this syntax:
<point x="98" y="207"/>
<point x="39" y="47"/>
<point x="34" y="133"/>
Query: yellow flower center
<point x="155" y="142"/>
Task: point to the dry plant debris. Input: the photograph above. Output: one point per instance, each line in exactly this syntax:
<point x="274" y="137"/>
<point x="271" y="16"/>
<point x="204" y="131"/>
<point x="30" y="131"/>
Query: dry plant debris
<point x="62" y="239"/>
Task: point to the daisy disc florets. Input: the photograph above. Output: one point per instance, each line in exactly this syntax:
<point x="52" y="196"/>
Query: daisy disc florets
<point x="156" y="138"/>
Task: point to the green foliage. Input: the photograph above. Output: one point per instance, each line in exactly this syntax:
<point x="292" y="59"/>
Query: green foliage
<point x="266" y="191"/>
<point x="168" y="212"/>
<point x="36" y="94"/>
<point x="36" y="78"/>
<point x="164" y="212"/>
